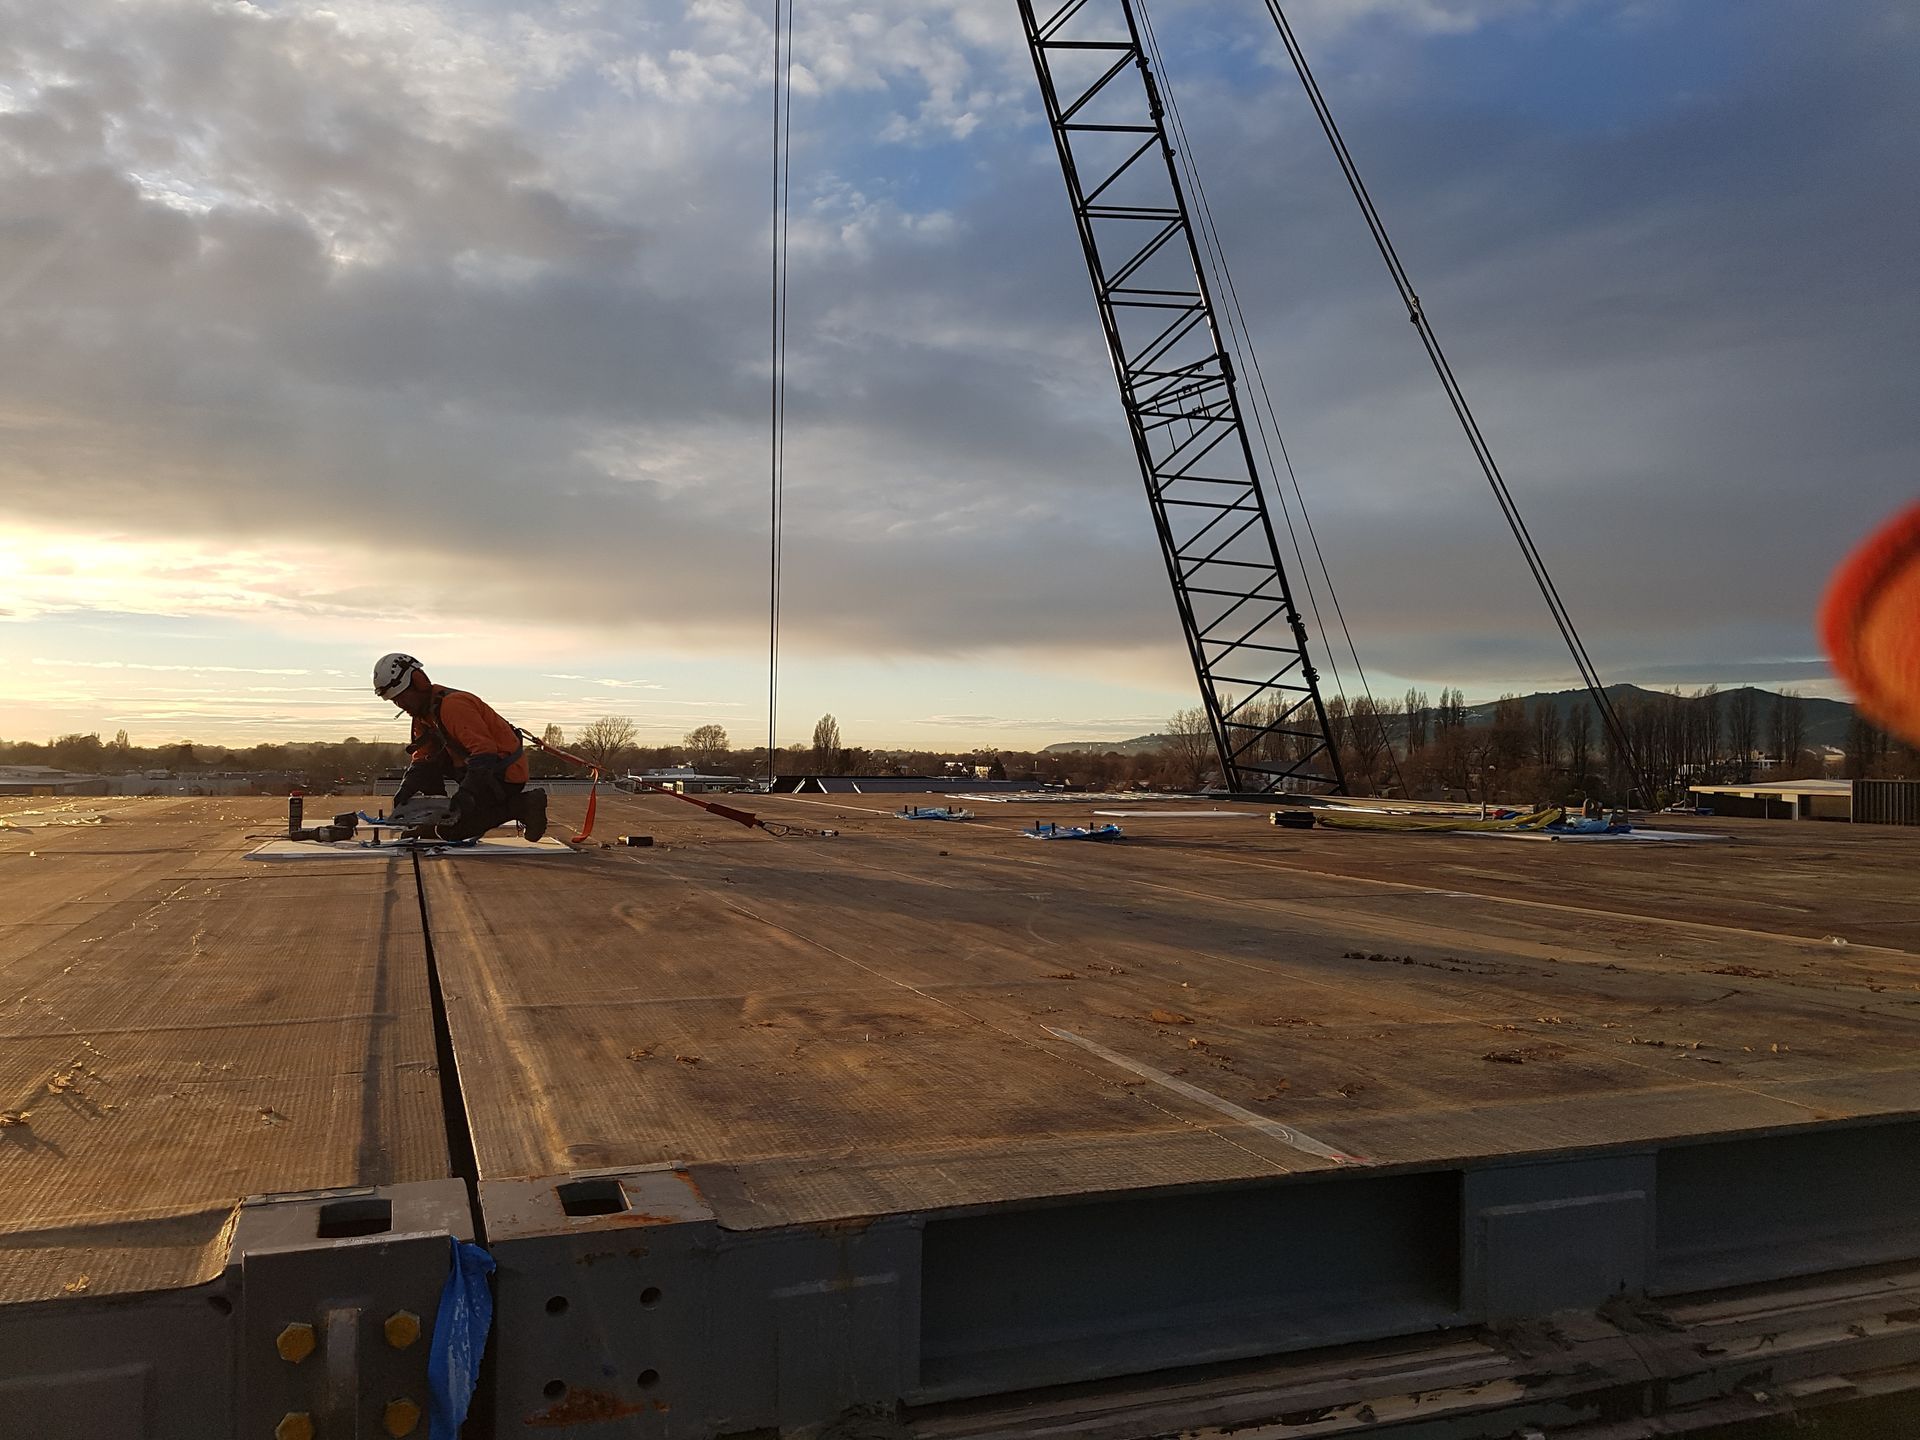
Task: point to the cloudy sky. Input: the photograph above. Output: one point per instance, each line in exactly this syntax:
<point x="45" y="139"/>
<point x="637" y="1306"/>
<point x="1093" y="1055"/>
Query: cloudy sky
<point x="441" y="325"/>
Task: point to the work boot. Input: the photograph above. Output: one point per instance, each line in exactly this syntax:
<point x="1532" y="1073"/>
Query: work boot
<point x="530" y="809"/>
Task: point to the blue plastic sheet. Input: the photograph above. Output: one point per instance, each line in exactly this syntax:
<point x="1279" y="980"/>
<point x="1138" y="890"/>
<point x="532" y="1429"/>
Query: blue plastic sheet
<point x="459" y="1339"/>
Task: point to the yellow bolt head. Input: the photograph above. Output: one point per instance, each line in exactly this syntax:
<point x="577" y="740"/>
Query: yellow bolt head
<point x="402" y="1328"/>
<point x="401" y="1417"/>
<point x="295" y="1343"/>
<point x="294" y="1425"/>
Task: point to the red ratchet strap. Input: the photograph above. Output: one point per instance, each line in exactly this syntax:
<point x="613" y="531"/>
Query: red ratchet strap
<point x="593" y="804"/>
<point x="725" y="812"/>
<point x="593" y="795"/>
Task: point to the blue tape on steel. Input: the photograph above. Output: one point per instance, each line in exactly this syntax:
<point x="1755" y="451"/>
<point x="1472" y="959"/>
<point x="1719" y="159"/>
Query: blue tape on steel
<point x="459" y="1338"/>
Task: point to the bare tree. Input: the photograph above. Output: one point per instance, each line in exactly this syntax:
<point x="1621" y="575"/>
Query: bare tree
<point x="607" y="741"/>
<point x="1340" y="728"/>
<point x="1445" y="760"/>
<point x="1417" y="718"/>
<point x="706" y="746"/>
<point x="1580" y="741"/>
<point x="1546" y="735"/>
<point x="1868" y="748"/>
<point x="1706" y="716"/>
<point x="1795" y="729"/>
<point x="1640" y="720"/>
<point x="826" y="745"/>
<point x="1189" y="750"/>
<point x="544" y="766"/>
<point x="1659" y="727"/>
<point x="1268" y="746"/>
<point x="1392" y="719"/>
<point x="1743" y="730"/>
<point x="1508" y="743"/>
<point x="1366" y="746"/>
<point x="1789" y="726"/>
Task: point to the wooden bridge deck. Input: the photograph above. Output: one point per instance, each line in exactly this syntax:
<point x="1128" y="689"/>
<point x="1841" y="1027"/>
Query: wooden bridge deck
<point x="910" y="1015"/>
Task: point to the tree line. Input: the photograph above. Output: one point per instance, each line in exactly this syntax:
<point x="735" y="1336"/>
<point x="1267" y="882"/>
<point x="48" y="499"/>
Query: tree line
<point x="1559" y="752"/>
<point x="351" y="759"/>
<point x="1413" y="746"/>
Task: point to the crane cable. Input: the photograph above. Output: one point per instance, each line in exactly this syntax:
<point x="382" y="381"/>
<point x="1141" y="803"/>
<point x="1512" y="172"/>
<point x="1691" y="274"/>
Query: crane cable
<point x="1240" y="339"/>
<point x="1483" y="453"/>
<point x="777" y="412"/>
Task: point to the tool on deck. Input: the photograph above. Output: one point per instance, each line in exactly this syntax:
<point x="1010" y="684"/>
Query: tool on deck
<point x="419" y="819"/>
<point x="1048" y="830"/>
<point x="341" y="827"/>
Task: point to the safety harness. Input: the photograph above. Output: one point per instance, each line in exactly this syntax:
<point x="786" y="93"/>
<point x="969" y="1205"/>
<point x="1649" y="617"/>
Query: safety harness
<point x="457" y="752"/>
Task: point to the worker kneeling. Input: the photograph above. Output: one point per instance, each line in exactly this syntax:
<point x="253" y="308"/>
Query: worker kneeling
<point x="460" y="738"/>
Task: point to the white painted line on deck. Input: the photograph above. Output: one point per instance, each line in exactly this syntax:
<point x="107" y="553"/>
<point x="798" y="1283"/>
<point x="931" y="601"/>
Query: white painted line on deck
<point x="1285" y="1134"/>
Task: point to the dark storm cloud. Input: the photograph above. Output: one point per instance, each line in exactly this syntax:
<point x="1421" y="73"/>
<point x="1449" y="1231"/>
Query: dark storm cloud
<point x="488" y="296"/>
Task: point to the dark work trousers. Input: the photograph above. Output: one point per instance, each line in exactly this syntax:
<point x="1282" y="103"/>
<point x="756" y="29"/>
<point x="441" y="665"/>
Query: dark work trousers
<point x="483" y="800"/>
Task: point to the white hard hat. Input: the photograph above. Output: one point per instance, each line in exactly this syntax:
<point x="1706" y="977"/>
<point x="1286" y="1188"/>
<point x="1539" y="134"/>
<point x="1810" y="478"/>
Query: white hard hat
<point x="393" y="673"/>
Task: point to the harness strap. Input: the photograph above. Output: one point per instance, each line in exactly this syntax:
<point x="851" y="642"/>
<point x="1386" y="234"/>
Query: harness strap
<point x="459" y="753"/>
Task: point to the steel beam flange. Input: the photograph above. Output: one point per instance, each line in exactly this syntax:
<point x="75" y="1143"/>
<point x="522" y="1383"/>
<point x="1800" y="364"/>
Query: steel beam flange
<point x="292" y="1326"/>
<point x="323" y="1283"/>
<point x="114" y="1366"/>
<point x="622" y="1302"/>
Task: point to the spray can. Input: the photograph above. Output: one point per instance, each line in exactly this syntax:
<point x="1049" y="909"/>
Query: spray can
<point x="294" y="808"/>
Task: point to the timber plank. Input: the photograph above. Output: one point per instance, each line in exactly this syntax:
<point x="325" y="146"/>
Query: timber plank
<point x="918" y="1015"/>
<point x="183" y="1028"/>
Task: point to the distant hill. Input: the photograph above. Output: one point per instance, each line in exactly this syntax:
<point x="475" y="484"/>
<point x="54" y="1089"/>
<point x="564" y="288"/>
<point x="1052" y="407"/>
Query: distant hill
<point x="1827" y="720"/>
<point x="1139" y="745"/>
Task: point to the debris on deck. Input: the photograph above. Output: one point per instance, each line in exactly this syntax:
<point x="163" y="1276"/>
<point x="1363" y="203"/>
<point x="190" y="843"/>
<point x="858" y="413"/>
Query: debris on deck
<point x="1047" y="830"/>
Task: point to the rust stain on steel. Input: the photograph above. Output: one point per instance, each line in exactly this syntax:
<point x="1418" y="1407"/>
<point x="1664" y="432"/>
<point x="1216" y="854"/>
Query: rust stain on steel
<point x="583" y="1407"/>
<point x="852" y="1225"/>
<point x="629" y="1219"/>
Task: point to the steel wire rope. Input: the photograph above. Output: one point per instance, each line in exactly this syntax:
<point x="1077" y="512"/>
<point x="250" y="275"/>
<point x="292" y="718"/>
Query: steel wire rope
<point x="1240" y="338"/>
<point x="777" y="413"/>
<point x="1456" y="396"/>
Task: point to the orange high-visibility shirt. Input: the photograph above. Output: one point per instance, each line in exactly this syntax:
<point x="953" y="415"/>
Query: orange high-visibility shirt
<point x="467" y="726"/>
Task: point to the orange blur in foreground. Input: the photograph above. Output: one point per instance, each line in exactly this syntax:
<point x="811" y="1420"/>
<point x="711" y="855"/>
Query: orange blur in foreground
<point x="1871" y="624"/>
